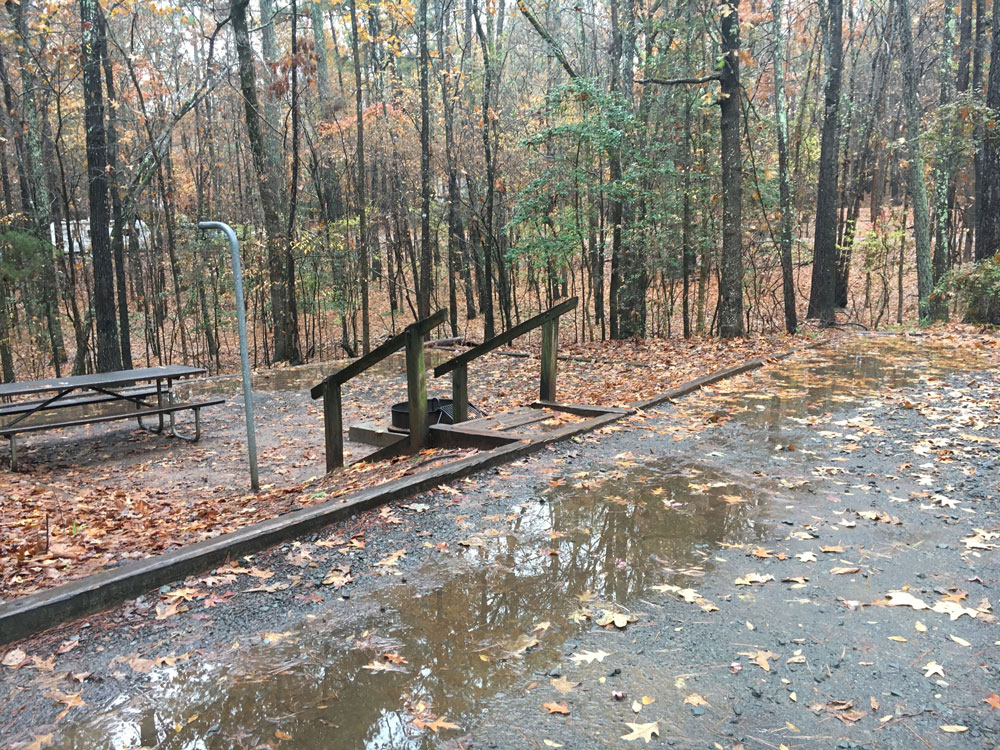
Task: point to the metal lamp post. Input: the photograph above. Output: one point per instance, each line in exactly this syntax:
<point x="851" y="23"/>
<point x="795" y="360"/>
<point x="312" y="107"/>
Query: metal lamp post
<point x="241" y="319"/>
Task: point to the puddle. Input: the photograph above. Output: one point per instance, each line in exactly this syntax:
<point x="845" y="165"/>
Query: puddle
<point x="458" y="623"/>
<point x="827" y="379"/>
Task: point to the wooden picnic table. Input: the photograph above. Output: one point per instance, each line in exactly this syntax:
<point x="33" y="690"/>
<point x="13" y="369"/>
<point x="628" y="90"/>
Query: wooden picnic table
<point x="105" y="388"/>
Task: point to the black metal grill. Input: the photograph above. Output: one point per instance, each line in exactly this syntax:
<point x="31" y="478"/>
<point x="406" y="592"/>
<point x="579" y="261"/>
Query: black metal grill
<point x="439" y="411"/>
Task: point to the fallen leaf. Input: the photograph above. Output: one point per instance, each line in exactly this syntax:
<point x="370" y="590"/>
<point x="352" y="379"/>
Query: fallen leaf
<point x="436" y="725"/>
<point x="953" y="728"/>
<point x="556" y="708"/>
<point x="695" y="700"/>
<point x="751" y="578"/>
<point x="15" y="658"/>
<point x="954" y="610"/>
<point x="760" y="658"/>
<point x="589" y="656"/>
<point x="844" y="571"/>
<point x="282" y="735"/>
<point x="960" y="641"/>
<point x="563" y="685"/>
<point x="642" y="731"/>
<point x="932" y="668"/>
<point x="904" y="599"/>
<point x="993" y="701"/>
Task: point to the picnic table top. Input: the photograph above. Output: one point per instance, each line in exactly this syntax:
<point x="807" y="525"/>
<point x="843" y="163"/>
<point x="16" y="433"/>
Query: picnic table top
<point x="99" y="379"/>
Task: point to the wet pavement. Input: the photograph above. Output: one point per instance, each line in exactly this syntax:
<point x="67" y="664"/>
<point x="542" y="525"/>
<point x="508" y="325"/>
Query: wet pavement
<point x="644" y="575"/>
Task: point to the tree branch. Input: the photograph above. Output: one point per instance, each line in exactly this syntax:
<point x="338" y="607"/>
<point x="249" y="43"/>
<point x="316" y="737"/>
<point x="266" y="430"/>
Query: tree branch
<point x="526" y="11"/>
<point x="679" y="81"/>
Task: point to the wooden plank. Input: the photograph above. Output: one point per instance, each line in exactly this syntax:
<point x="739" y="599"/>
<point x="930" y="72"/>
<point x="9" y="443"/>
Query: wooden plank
<point x="508" y="420"/>
<point x="416" y="388"/>
<point x="460" y="394"/>
<point x="458" y="436"/>
<point x="333" y="426"/>
<point x="380" y="352"/>
<point x="550" y="344"/>
<point x="505" y="338"/>
<point x="583" y="410"/>
<point x="371" y="433"/>
<point x="6" y="431"/>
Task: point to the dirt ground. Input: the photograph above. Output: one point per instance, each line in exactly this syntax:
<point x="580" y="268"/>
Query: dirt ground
<point x="91" y="498"/>
<point x="800" y="557"/>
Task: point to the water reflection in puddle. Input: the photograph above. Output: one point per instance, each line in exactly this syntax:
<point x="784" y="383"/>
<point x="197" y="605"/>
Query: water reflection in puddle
<point x="459" y="623"/>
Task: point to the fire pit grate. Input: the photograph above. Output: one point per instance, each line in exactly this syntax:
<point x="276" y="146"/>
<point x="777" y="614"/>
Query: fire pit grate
<point x="439" y="411"/>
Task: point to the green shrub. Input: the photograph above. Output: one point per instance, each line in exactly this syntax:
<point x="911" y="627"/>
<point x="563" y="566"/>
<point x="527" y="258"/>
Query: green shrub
<point x="976" y="288"/>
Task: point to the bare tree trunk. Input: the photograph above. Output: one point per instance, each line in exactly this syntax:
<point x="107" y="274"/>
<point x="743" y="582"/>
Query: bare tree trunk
<point x="424" y="283"/>
<point x="988" y="239"/>
<point x="36" y="187"/>
<point x="109" y="356"/>
<point x="784" y="183"/>
<point x="731" y="283"/>
<point x="265" y="164"/>
<point x="363" y="261"/>
<point x="118" y="221"/>
<point x="822" y="295"/>
<point x="916" y="186"/>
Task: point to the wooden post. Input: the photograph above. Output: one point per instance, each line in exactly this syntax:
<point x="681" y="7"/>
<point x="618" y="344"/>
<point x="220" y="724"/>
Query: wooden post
<point x="416" y="388"/>
<point x="460" y="394"/>
<point x="333" y="426"/>
<point x="550" y="344"/>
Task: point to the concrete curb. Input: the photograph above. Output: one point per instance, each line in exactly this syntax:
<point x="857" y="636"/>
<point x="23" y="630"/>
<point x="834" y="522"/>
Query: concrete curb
<point x="34" y="613"/>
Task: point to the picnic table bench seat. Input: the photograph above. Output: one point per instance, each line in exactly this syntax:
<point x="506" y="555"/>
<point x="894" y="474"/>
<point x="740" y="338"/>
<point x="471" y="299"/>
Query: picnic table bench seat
<point x="24" y="407"/>
<point x="11" y="433"/>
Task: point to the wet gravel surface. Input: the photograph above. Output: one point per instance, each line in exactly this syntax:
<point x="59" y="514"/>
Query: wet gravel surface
<point x="506" y="576"/>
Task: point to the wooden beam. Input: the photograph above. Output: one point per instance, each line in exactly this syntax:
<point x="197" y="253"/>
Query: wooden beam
<point x="416" y="387"/>
<point x="550" y="344"/>
<point x="457" y="436"/>
<point x="460" y="394"/>
<point x="505" y="338"/>
<point x="581" y="410"/>
<point x="380" y="352"/>
<point x="333" y="427"/>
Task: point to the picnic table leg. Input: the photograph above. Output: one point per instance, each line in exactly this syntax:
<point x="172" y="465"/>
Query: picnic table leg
<point x="13" y="453"/>
<point x="159" y="401"/>
<point x="170" y="401"/>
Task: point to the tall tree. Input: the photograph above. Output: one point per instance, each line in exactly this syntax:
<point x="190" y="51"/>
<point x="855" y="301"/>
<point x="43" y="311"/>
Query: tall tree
<point x="359" y="111"/>
<point x="916" y="185"/>
<point x="784" y="181"/>
<point x="265" y="161"/>
<point x="34" y="185"/>
<point x="109" y="356"/>
<point x="731" y="284"/>
<point x="426" y="258"/>
<point x="822" y="293"/>
<point x="988" y="239"/>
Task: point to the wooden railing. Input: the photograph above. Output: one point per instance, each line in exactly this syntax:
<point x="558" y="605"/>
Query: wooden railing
<point x="459" y="366"/>
<point x="412" y="338"/>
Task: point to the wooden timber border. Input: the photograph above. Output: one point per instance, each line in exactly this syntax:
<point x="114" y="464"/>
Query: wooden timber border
<point x="31" y="614"/>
